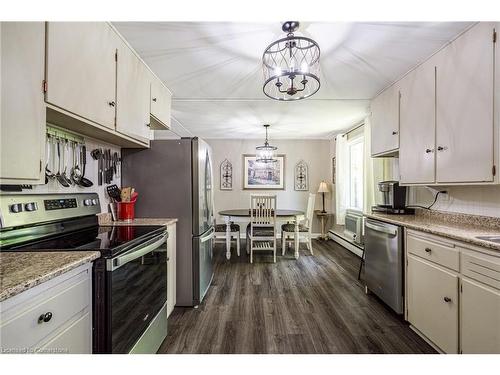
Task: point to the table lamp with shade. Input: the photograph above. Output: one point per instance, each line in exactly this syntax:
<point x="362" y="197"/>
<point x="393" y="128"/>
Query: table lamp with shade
<point x="323" y="188"/>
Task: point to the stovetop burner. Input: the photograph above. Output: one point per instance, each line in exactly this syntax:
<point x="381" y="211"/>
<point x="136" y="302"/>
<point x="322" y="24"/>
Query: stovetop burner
<point x="109" y="240"/>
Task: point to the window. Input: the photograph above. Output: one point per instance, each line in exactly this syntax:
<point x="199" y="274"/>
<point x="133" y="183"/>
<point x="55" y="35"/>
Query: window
<point x="355" y="170"/>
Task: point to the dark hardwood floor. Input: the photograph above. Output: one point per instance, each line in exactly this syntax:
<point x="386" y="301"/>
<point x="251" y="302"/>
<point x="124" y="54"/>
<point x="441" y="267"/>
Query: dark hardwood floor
<point x="313" y="305"/>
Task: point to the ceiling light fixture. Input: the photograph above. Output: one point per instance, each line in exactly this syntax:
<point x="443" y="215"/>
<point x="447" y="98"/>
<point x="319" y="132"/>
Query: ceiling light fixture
<point x="265" y="153"/>
<point x="291" y="66"/>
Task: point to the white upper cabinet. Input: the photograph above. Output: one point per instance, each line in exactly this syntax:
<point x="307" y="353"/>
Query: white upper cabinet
<point x="132" y="94"/>
<point x="161" y="100"/>
<point x="81" y="69"/>
<point x="385" y="122"/>
<point x="417" y="125"/>
<point x="22" y="119"/>
<point x="464" y="111"/>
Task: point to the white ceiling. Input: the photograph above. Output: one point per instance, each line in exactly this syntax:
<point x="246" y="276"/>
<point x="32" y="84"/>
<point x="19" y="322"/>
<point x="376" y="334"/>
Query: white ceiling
<point x="214" y="72"/>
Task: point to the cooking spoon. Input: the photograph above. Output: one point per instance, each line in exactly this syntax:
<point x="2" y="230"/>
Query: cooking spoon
<point x="76" y="173"/>
<point x="85" y="182"/>
<point x="59" y="176"/>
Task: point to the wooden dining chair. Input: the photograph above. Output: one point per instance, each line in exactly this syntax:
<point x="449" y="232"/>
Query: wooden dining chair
<point x="305" y="229"/>
<point x="221" y="233"/>
<point x="261" y="231"/>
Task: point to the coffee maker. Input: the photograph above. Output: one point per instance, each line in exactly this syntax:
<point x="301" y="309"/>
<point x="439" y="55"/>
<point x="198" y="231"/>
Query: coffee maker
<point x="393" y="199"/>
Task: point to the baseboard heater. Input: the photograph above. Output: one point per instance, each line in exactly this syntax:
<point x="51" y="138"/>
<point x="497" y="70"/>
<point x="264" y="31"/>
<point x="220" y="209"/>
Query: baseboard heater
<point x="346" y="242"/>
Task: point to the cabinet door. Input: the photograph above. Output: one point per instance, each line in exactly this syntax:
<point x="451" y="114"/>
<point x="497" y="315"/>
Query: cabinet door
<point x="385" y="121"/>
<point x="464" y="117"/>
<point x="480" y="318"/>
<point x="160" y="102"/>
<point x="433" y="303"/>
<point x="22" y="119"/>
<point x="417" y="125"/>
<point x="81" y="69"/>
<point x="132" y="94"/>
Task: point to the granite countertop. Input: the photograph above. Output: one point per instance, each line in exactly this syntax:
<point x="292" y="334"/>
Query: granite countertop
<point x="105" y="219"/>
<point x="20" y="271"/>
<point x="459" y="227"/>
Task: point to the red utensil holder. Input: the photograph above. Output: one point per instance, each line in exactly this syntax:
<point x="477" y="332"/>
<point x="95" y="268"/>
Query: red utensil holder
<point x="125" y="210"/>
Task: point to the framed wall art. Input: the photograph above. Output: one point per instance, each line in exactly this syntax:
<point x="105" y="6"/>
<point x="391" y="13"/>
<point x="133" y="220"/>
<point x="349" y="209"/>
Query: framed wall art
<point x="263" y="176"/>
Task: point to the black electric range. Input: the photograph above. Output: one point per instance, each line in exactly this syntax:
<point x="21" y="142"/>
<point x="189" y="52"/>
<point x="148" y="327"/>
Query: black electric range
<point x="129" y="279"/>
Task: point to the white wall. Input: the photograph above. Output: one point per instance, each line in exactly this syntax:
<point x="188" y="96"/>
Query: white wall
<point x="474" y="200"/>
<point x="316" y="153"/>
<point x="90" y="172"/>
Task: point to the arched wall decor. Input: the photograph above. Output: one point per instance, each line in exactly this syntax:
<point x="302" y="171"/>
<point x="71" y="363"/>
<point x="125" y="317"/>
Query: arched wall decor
<point x="301" y="176"/>
<point x="226" y="175"/>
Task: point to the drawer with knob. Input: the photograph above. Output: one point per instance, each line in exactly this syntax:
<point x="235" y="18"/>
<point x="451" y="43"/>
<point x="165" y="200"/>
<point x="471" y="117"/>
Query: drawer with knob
<point x="433" y="249"/>
<point x="29" y="321"/>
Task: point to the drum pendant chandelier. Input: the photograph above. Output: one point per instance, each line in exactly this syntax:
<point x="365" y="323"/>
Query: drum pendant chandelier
<point x="291" y="66"/>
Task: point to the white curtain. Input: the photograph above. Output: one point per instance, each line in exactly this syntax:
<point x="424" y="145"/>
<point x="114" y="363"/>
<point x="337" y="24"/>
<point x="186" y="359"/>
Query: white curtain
<point x="341" y="178"/>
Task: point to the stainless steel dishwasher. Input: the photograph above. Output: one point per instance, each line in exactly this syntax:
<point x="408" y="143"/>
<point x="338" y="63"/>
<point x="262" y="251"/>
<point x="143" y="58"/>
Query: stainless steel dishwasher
<point x="384" y="262"/>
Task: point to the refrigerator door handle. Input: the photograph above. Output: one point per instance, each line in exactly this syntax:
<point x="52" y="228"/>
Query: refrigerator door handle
<point x="209" y="236"/>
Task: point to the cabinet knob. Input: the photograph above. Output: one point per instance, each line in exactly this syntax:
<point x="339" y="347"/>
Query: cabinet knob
<point x="148" y="124"/>
<point x="154" y="99"/>
<point x="428" y="150"/>
<point x="428" y="250"/>
<point x="447" y="299"/>
<point x="440" y="148"/>
<point x="112" y="104"/>
<point x="394" y="132"/>
<point x="45" y="317"/>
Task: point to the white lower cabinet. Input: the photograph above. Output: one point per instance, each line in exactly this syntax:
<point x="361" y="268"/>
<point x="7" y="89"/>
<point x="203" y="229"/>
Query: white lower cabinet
<point x="480" y="318"/>
<point x="453" y="293"/>
<point x="171" y="269"/>
<point x="53" y="317"/>
<point x="433" y="303"/>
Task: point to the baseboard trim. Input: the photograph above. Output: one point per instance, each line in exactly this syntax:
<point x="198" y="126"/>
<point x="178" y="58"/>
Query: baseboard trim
<point x="278" y="235"/>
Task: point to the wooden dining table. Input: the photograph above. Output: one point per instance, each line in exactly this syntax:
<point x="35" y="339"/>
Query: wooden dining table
<point x="243" y="214"/>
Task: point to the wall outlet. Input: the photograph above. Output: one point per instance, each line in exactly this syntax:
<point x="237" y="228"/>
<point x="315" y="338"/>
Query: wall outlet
<point x="444" y="196"/>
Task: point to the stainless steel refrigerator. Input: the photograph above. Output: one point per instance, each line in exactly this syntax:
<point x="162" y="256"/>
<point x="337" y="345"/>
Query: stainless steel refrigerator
<point x="174" y="179"/>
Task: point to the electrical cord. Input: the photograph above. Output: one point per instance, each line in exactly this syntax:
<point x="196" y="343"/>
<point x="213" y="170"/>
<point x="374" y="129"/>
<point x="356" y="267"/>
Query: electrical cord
<point x="432" y="204"/>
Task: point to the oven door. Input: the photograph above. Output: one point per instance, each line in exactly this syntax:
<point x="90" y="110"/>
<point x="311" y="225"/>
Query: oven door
<point x="137" y="291"/>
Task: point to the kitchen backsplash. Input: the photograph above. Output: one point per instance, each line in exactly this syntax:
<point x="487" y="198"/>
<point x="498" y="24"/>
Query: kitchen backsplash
<point x="473" y="200"/>
<point x="91" y="173"/>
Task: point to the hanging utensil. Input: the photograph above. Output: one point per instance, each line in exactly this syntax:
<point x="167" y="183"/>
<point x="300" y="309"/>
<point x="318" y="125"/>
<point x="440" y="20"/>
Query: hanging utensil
<point x="48" y="172"/>
<point x="59" y="176"/>
<point x="65" y="163"/>
<point x="76" y="172"/>
<point x="85" y="182"/>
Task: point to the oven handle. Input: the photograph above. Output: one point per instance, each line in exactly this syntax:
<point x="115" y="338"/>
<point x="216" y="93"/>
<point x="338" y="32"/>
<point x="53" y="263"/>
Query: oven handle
<point x="113" y="264"/>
